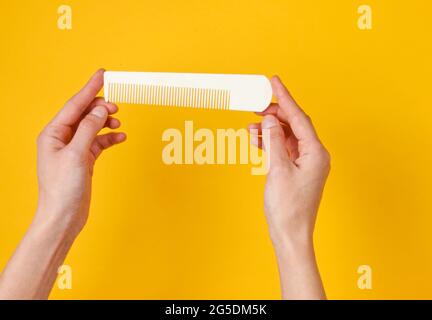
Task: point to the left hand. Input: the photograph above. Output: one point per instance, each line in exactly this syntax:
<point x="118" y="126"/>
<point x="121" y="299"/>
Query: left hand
<point x="67" y="150"/>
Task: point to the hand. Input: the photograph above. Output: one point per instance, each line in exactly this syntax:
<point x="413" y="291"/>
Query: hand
<point x="298" y="168"/>
<point x="67" y="150"/>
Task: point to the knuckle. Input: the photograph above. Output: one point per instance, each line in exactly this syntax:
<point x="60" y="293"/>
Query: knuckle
<point x="300" y="118"/>
<point x="47" y="132"/>
<point x="328" y="157"/>
<point x="54" y="130"/>
<point x="324" y="157"/>
<point x="111" y="140"/>
<point x="71" y="102"/>
<point x="296" y="118"/>
<point x="41" y="137"/>
<point x="97" y="144"/>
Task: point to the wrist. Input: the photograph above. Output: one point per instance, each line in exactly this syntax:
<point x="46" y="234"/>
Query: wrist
<point x="52" y="232"/>
<point x="292" y="243"/>
<point x="56" y="221"/>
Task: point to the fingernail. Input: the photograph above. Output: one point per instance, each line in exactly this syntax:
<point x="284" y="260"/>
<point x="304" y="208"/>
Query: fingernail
<point x="253" y="131"/>
<point x="122" y="136"/>
<point x="254" y="140"/>
<point x="99" y="112"/>
<point x="276" y="78"/>
<point x="269" y="122"/>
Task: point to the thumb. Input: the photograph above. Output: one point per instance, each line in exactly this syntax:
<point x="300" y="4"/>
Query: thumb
<point x="274" y="142"/>
<point x="88" y="129"/>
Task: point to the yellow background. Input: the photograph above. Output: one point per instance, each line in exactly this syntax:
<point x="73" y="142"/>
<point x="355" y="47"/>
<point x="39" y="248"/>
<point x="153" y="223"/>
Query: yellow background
<point x="158" y="231"/>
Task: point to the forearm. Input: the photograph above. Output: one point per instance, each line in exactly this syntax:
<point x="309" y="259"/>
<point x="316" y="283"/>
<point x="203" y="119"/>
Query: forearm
<point x="298" y="270"/>
<point x="31" y="272"/>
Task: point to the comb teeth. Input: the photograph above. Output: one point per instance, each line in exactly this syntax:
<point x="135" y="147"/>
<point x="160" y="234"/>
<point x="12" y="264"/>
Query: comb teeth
<point x="168" y="96"/>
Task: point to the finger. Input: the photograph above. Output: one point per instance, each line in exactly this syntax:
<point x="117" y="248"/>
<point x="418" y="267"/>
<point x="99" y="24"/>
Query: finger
<point x="255" y="132"/>
<point x="275" y="110"/>
<point x="292" y="114"/>
<point x="105" y="141"/>
<point x="274" y="142"/>
<point x="255" y="128"/>
<point x="271" y="109"/>
<point x="112" y="123"/>
<point x="88" y="128"/>
<point x="256" y="141"/>
<point x="291" y="144"/>
<point x="76" y="106"/>
<point x="100" y="101"/>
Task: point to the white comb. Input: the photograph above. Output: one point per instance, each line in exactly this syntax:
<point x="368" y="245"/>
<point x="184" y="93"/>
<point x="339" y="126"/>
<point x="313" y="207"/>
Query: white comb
<point x="195" y="90"/>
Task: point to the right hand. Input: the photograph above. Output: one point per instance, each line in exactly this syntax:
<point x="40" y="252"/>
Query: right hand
<point x="298" y="168"/>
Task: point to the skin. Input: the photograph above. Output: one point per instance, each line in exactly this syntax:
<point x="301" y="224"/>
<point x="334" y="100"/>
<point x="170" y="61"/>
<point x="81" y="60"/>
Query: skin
<point x="70" y="145"/>
<point x="298" y="168"/>
<point x="67" y="151"/>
